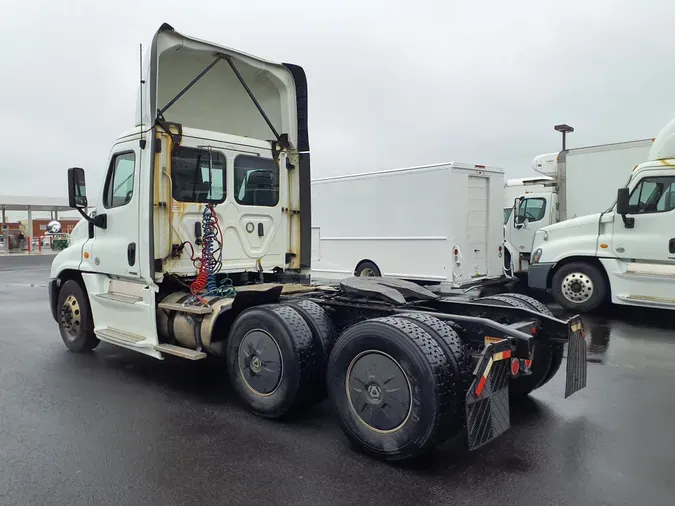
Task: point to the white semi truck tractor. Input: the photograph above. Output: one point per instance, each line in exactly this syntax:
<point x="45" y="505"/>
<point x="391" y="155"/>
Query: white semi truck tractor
<point x="199" y="245"/>
<point x="625" y="254"/>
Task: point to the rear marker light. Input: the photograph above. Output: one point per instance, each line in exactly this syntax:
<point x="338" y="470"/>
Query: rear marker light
<point x="515" y="366"/>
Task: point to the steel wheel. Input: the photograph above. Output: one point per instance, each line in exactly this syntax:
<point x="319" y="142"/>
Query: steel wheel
<point x="577" y="287"/>
<point x="260" y="362"/>
<point x="367" y="272"/>
<point x="379" y="391"/>
<point x="71" y="318"/>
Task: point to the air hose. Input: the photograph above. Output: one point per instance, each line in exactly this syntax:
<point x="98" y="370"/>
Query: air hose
<point x="211" y="259"/>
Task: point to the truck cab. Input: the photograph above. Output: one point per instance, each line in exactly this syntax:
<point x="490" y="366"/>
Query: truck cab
<point x="215" y="163"/>
<point x="530" y="211"/>
<point x="625" y="254"/>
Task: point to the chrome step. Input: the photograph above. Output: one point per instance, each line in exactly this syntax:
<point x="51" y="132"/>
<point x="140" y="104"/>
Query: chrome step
<point x="181" y="352"/>
<point x="120" y="297"/>
<point x="119" y="336"/>
<point x="171" y="306"/>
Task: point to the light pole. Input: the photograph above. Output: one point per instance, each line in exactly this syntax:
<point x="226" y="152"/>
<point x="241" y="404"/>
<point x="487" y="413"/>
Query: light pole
<point x="564" y="129"/>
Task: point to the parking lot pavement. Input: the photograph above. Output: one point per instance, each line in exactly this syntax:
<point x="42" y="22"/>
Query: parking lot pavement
<point x="115" y="427"/>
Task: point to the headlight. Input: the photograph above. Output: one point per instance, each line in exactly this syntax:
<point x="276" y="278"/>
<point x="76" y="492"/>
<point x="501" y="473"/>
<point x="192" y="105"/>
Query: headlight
<point x="536" y="256"/>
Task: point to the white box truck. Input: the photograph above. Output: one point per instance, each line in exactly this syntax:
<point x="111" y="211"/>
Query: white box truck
<point x="515" y="188"/>
<point x="584" y="181"/>
<point x="624" y="252"/>
<point x="437" y="224"/>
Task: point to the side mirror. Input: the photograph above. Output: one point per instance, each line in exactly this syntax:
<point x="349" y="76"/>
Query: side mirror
<point x="622" y="199"/>
<point x="623" y="207"/>
<point x="77" y="188"/>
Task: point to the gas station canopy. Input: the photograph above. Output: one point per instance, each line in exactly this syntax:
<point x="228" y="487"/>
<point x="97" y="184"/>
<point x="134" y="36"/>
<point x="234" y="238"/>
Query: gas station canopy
<point x="13" y="203"/>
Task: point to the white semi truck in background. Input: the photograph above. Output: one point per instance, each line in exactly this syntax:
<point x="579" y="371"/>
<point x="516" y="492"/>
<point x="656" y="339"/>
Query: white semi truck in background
<point x="435" y="224"/>
<point x="578" y="182"/>
<point x="624" y="252"/>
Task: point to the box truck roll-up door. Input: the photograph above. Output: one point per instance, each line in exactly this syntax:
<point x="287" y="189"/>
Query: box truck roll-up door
<point x="477" y="222"/>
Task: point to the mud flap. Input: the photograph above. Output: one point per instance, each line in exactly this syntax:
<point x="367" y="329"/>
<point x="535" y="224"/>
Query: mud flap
<point x="487" y="401"/>
<point x="577" y="366"/>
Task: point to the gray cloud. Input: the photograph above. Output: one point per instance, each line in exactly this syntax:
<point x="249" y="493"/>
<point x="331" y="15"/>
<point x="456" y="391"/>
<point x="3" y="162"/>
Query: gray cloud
<point x="392" y="83"/>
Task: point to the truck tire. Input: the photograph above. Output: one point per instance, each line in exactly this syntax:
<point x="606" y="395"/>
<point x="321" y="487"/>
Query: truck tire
<point x="391" y="386"/>
<point x="459" y="359"/>
<point x="74" y="318"/>
<point x="579" y="287"/>
<point x="557" y="349"/>
<point x="272" y="360"/>
<point x="546" y="358"/>
<point x="367" y="268"/>
<point x="323" y="335"/>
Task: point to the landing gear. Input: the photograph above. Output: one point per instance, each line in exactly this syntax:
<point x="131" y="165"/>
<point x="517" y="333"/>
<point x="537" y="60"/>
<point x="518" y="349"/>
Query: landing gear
<point x="74" y="318"/>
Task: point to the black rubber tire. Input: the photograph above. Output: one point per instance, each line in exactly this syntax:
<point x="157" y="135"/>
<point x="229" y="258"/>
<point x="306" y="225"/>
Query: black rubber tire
<point x="589" y="270"/>
<point x="299" y="367"/>
<point x="459" y="359"/>
<point x="84" y="339"/>
<point x="557" y="349"/>
<point x="425" y="366"/>
<point x="367" y="265"/>
<point x="324" y="336"/>
<point x="531" y="301"/>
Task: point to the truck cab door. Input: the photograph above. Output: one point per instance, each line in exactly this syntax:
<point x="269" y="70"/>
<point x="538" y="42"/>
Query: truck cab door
<point x="529" y="215"/>
<point x="647" y="250"/>
<point x="114" y="249"/>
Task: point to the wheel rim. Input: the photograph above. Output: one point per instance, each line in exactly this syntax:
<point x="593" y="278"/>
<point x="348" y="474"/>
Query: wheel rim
<point x="379" y="391"/>
<point x="71" y="317"/>
<point x="260" y="362"/>
<point x="367" y="272"/>
<point x="577" y="287"/>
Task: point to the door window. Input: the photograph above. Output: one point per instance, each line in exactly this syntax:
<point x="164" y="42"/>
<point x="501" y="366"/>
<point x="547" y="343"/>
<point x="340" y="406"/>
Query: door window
<point x="653" y="195"/>
<point x="119" y="188"/>
<point x="197" y="175"/>
<point x="256" y="181"/>
<point x="532" y="209"/>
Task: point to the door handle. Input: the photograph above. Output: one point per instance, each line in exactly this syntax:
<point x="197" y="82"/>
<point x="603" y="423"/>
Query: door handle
<point x="671" y="245"/>
<point x="261" y="230"/>
<point x="131" y="253"/>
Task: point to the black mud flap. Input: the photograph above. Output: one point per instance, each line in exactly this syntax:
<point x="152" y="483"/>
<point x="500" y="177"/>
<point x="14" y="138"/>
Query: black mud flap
<point x="487" y="401"/>
<point x="576" y="358"/>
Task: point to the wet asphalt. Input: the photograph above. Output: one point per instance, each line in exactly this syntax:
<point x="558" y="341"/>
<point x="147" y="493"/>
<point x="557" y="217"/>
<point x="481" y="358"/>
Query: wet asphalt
<point x="115" y="427"/>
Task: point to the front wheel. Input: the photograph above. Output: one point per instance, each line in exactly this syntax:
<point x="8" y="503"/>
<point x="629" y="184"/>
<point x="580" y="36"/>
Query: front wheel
<point x="74" y="317"/>
<point x="579" y="287"/>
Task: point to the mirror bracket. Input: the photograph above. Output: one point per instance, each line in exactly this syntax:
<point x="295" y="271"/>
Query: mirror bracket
<point x="628" y="221"/>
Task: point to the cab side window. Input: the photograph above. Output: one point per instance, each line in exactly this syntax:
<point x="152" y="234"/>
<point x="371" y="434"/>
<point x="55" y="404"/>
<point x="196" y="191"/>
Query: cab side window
<point x="256" y="181"/>
<point x="119" y="189"/>
<point x="198" y="175"/>
<point x="653" y="195"/>
<point x="533" y="209"/>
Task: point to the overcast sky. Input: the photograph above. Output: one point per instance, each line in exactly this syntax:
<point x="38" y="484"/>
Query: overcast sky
<point x="391" y="84"/>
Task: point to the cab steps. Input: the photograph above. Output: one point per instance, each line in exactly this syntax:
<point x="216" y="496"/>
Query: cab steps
<point x="179" y="351"/>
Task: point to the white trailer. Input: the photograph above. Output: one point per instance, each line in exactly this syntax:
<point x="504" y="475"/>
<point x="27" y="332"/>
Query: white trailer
<point x="584" y="181"/>
<point x="439" y="224"/>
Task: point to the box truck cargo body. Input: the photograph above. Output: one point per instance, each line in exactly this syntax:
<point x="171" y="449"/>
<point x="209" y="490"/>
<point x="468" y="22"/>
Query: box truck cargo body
<point x="440" y="224"/>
